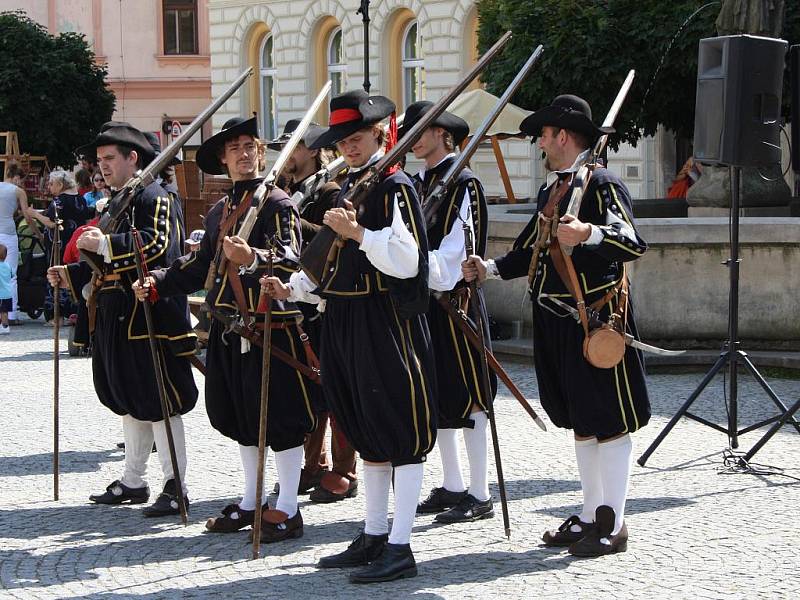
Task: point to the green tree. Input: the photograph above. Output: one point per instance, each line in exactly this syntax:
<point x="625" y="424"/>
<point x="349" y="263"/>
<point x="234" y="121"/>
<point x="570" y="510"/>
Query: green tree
<point x="591" y="44"/>
<point x="51" y="91"/>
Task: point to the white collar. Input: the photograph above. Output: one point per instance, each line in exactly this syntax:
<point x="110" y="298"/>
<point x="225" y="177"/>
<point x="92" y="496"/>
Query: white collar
<point x="372" y="159"/>
<point x="423" y="169"/>
<point x="552" y="176"/>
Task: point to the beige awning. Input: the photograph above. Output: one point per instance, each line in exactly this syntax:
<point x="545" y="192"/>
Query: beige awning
<point x="476" y="104"/>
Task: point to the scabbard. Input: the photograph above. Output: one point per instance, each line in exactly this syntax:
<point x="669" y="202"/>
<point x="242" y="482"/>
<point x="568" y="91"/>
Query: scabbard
<point x="460" y="319"/>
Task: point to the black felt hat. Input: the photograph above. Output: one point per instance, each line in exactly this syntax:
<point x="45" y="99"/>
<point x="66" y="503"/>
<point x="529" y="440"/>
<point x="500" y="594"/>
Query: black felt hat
<point x="207" y="158"/>
<point x="350" y="112"/>
<point x="118" y="133"/>
<point x="313" y="131"/>
<point x="567" y="112"/>
<point x="156" y="144"/>
<point x="457" y="126"/>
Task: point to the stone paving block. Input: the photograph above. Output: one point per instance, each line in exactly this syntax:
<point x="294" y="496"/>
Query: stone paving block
<point x="695" y="533"/>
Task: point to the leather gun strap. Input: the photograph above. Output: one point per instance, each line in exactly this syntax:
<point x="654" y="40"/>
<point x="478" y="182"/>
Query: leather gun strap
<point x="311" y="356"/>
<point x="238" y="292"/>
<point x="91" y="302"/>
<point x="563" y="264"/>
<point x="557" y="193"/>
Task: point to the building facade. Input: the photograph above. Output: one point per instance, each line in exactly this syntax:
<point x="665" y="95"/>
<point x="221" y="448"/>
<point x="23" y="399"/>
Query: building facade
<point x="156" y="52"/>
<point x="418" y="49"/>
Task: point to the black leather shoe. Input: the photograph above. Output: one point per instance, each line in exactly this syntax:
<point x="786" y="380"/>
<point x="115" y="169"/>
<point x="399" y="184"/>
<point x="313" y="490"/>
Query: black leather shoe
<point x="469" y="509"/>
<point x="233" y="519"/>
<point x="569" y="532"/>
<point x="395" y="562"/>
<point x="362" y="550"/>
<point x="118" y="493"/>
<point x="276" y="526"/>
<point x="440" y="500"/>
<point x="323" y="495"/>
<point x="599" y="541"/>
<point x="167" y="503"/>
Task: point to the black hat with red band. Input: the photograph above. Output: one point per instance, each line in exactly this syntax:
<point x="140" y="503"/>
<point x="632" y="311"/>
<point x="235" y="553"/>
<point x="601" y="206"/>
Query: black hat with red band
<point x="350" y="112"/>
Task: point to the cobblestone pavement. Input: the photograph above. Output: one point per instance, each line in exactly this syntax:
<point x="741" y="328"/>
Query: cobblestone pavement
<point x="695" y="533"/>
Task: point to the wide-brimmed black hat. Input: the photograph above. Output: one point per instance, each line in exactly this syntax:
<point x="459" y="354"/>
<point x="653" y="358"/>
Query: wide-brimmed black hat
<point x="118" y="133"/>
<point x="457" y="126"/>
<point x="567" y="112"/>
<point x="350" y="112"/>
<point x="156" y="144"/>
<point x="207" y="158"/>
<point x="313" y="131"/>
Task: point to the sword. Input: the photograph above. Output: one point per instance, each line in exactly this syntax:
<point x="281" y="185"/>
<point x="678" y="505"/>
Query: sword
<point x="629" y="339"/>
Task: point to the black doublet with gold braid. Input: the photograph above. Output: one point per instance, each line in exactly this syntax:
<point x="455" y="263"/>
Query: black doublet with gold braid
<point x="122" y="367"/>
<point x="458" y="364"/>
<point x="378" y="374"/>
<point x="233" y="381"/>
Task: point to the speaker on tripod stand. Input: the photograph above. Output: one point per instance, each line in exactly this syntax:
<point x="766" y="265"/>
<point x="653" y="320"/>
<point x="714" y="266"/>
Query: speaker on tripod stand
<point x="737" y="124"/>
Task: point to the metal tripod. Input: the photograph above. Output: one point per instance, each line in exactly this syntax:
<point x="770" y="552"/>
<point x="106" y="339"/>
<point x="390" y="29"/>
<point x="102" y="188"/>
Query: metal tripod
<point x="731" y="356"/>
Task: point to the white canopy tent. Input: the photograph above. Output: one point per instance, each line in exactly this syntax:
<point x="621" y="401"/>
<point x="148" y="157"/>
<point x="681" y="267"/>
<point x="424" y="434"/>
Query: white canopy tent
<point x="473" y="107"/>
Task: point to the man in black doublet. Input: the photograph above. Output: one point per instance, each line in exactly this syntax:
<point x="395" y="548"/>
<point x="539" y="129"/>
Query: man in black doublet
<point x="122" y="365"/>
<point x="602" y="406"/>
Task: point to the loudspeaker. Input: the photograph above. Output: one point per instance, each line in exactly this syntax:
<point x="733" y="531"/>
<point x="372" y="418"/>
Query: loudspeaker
<point x="737" y="112"/>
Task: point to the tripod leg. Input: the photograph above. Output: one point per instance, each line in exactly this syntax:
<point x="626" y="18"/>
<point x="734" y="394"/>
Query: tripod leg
<point x="770" y="392"/>
<point x="733" y="406"/>
<point x="723" y="358"/>
<point x="789" y="414"/>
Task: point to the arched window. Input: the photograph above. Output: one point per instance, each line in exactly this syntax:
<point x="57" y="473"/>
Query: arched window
<point x="337" y="69"/>
<point x="267" y="73"/>
<point x="413" y="65"/>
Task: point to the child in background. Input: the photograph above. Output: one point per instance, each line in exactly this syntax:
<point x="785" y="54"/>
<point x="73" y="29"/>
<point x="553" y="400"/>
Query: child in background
<point x="5" y="291"/>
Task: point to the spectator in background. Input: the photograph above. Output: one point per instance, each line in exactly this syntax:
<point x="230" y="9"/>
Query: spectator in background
<point x="5" y="290"/>
<point x="686" y="177"/>
<point x="84" y="179"/>
<point x="73" y="212"/>
<point x="71" y="252"/>
<point x="99" y="190"/>
<point x="13" y="198"/>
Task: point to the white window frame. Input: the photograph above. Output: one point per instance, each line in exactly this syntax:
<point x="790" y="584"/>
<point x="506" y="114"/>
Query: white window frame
<point x="412" y="62"/>
<point x="269" y="118"/>
<point x="333" y="67"/>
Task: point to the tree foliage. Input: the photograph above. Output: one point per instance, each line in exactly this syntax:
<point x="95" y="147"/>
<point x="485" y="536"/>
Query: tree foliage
<point x="51" y="91"/>
<point x="591" y="44"/>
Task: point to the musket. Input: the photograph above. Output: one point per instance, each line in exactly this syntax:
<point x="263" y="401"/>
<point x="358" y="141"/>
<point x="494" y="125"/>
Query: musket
<point x="439" y="193"/>
<point x="261" y="193"/>
<point x="321" y="251"/>
<point x="266" y="355"/>
<point x="332" y="169"/>
<point x="144" y="177"/>
<point x="56" y="261"/>
<point x="141" y="273"/>
<point x="485" y="384"/>
<point x="461" y="319"/>
<point x="584" y="174"/>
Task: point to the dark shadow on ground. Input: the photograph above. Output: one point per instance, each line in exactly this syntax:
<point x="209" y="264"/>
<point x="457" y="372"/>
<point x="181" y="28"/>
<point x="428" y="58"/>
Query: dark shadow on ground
<point x="70" y="461"/>
<point x="158" y="549"/>
<point x="476" y="568"/>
